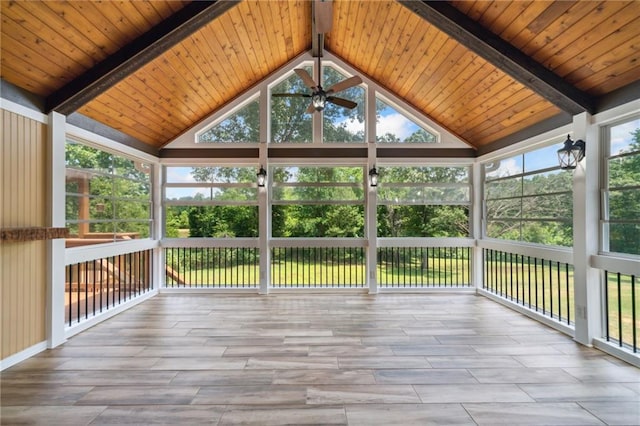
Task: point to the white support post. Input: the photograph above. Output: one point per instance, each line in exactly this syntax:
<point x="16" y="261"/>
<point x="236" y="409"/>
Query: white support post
<point x="159" y="260"/>
<point x="371" y="198"/>
<point x="587" y="300"/>
<point x="477" y="202"/>
<point x="56" y="218"/>
<point x="372" y="231"/>
<point x="264" y="211"/>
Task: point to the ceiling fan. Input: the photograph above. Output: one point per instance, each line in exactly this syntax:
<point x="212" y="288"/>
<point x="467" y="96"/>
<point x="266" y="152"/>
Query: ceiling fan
<point x="319" y="96"/>
<point x="322" y="19"/>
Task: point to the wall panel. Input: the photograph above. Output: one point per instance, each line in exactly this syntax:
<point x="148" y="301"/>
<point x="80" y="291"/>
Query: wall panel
<point x="23" y="166"/>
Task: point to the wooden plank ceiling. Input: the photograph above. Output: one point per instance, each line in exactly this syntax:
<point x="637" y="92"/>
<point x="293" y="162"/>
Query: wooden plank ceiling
<point x="592" y="47"/>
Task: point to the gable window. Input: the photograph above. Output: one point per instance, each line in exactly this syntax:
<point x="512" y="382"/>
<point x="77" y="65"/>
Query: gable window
<point x="529" y="198"/>
<point x="621" y="189"/>
<point x="290" y="122"/>
<point x="241" y="126"/>
<point x="210" y="202"/>
<point x="342" y="124"/>
<point x="108" y="196"/>
<point x="393" y="126"/>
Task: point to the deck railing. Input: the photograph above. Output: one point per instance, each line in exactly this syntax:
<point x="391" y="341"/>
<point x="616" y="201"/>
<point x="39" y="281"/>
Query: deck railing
<point x="622" y="316"/>
<point x="542" y="285"/>
<point x="424" y="267"/>
<point x="318" y="267"/>
<point x="212" y="267"/>
<point x="97" y="285"/>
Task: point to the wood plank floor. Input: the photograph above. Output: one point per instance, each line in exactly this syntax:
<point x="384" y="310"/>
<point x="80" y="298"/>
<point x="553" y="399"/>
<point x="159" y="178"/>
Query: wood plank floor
<point x="454" y="359"/>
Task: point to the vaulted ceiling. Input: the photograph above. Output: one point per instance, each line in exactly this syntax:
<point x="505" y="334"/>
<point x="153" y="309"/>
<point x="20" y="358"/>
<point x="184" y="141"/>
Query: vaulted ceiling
<point x="484" y="70"/>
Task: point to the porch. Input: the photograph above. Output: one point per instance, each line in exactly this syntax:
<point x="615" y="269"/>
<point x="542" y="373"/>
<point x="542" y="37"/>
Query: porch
<point x="321" y="358"/>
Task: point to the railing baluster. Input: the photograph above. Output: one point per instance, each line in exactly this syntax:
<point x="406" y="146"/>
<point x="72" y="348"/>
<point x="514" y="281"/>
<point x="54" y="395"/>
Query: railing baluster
<point x="620" y="310"/>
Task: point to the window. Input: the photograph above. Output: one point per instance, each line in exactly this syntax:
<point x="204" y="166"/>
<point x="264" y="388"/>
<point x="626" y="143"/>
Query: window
<point x="343" y="124"/>
<point x="529" y="198"/>
<point x="317" y="202"/>
<point x="423" y="202"/>
<point x="621" y="190"/>
<point x="242" y="126"/>
<point x="289" y="120"/>
<point x="219" y="202"/>
<point x="393" y="126"/>
<point x="108" y="196"/>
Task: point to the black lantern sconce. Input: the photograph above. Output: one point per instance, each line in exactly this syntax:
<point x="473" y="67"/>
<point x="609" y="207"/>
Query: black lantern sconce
<point x="373" y="177"/>
<point x="262" y="177"/>
<point x="571" y="153"/>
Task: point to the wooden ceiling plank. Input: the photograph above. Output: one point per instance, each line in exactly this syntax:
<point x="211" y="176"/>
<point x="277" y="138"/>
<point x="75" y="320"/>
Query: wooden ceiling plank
<point x="546" y="37"/>
<point x="28" y="28"/>
<point x="42" y="20"/>
<point x="204" y="45"/>
<point x="431" y="67"/>
<point x="510" y="113"/>
<point x="615" y="76"/>
<point x="155" y="94"/>
<point x="391" y="56"/>
<point x="439" y="79"/>
<point x="245" y="17"/>
<point x="188" y="81"/>
<point x="599" y="39"/>
<point x="518" y="32"/>
<point x="270" y="41"/>
<point x="462" y="71"/>
<point x="135" y="55"/>
<point x="405" y="42"/>
<point x="495" y="133"/>
<point x="491" y="92"/>
<point x="503" y="55"/>
<point x="413" y="44"/>
<point x="493" y="13"/>
<point x="148" y="13"/>
<point x="132" y="107"/>
<point x="22" y="74"/>
<point x="126" y="15"/>
<point x="274" y="14"/>
<point x="380" y="38"/>
<point x="229" y="80"/>
<point x="240" y="50"/>
<point x="558" y="51"/>
<point x="36" y="59"/>
<point x="608" y="51"/>
<point x="428" y="52"/>
<point x="132" y="127"/>
<point x="334" y="39"/>
<point x="365" y="20"/>
<point x="88" y="17"/>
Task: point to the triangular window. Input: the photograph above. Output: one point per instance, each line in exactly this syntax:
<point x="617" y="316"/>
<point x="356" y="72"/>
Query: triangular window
<point x="393" y="126"/>
<point x="342" y="124"/>
<point x="241" y="126"/>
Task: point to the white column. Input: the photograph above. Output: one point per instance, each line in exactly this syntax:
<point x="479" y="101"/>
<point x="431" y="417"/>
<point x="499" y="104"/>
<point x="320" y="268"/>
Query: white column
<point x="477" y="204"/>
<point x="56" y="218"/>
<point x="371" y="196"/>
<point x="158" y="227"/>
<point x="264" y="209"/>
<point x="586" y="207"/>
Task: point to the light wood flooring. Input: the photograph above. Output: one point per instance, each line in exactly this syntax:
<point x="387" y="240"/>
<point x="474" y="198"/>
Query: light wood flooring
<point x="409" y="359"/>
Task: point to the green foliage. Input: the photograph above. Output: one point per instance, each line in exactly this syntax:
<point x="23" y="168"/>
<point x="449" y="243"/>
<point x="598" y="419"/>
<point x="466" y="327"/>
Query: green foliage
<point x="116" y="189"/>
<point x="624" y="199"/>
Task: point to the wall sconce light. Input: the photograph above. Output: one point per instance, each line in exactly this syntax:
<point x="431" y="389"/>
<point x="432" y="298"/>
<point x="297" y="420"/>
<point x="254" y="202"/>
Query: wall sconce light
<point x="571" y="153"/>
<point x="262" y="177"/>
<point x="373" y="177"/>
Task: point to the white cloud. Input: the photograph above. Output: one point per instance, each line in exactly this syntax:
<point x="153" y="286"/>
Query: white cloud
<point x="621" y="136"/>
<point x="506" y="167"/>
<point x="394" y="123"/>
<point x="179" y="175"/>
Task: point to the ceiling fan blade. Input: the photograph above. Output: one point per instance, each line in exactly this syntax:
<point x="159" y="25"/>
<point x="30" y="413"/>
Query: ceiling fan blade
<point x="306" y="78"/>
<point x="323" y="16"/>
<point x="311" y="109"/>
<point x="342" y="102"/>
<point x="345" y="84"/>
<point x="290" y="95"/>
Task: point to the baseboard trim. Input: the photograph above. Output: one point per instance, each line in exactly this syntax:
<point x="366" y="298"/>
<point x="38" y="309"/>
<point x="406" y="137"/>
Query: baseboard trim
<point x="14" y="359"/>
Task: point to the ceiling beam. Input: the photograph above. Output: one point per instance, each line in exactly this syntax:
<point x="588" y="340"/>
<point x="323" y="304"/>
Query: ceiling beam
<point x="136" y="54"/>
<point x="503" y="55"/>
